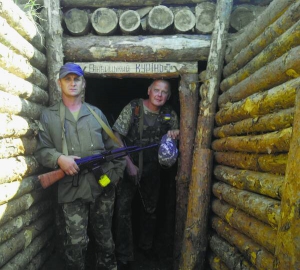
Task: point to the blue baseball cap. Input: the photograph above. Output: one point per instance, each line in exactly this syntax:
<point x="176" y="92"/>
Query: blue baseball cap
<point x="167" y="152"/>
<point x="70" y="68"/>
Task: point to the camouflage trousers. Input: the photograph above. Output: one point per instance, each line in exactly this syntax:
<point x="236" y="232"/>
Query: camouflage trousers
<point x="149" y="195"/>
<point x="77" y="216"/>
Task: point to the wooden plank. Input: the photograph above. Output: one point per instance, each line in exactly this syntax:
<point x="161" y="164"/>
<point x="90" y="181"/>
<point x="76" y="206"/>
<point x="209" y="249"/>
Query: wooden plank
<point x="138" y="69"/>
<point x="177" y="48"/>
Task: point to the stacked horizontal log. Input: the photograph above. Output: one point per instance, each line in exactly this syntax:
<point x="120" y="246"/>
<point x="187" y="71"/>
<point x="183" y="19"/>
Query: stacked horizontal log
<point x="253" y="137"/>
<point x="156" y="17"/>
<point x="26" y="217"/>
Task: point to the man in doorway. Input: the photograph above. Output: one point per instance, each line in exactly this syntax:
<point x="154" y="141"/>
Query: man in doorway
<point x="141" y="122"/>
<point x="69" y="130"/>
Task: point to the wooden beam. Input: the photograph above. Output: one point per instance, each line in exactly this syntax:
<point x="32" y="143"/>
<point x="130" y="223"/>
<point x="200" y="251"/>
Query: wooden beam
<point x="177" y="48"/>
<point x="160" y="19"/>
<point x="138" y="69"/>
<point x="77" y="22"/>
<point x="288" y="243"/>
<point x="195" y="235"/>
<point x="254" y="29"/>
<point x="188" y="96"/>
<point x="127" y="3"/>
<point x="51" y="22"/>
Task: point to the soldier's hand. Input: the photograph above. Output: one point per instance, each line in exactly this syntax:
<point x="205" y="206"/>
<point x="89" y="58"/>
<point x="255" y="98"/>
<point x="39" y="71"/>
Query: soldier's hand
<point x="68" y="164"/>
<point x="133" y="173"/>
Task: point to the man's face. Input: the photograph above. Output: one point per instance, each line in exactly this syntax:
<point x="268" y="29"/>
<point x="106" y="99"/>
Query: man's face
<point x="72" y="85"/>
<point x="159" y="93"/>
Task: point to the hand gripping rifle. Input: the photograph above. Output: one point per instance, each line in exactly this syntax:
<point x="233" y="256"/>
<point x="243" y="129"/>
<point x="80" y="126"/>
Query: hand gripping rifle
<point x="92" y="163"/>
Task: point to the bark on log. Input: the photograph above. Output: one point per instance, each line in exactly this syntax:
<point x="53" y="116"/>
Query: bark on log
<point x="263" y="208"/>
<point x="195" y="237"/>
<point x="16" y="207"/>
<point x="143" y="11"/>
<point x="77" y="22"/>
<point x="205" y="17"/>
<point x="288" y="244"/>
<point x="23" y="258"/>
<point x="12" y="39"/>
<point x="287" y="41"/>
<point x="53" y="34"/>
<point x="39" y="260"/>
<point x="242" y="15"/>
<point x="277" y="72"/>
<point x="274" y="142"/>
<point x="15" y="105"/>
<point x="17" y="19"/>
<point x="267" y="123"/>
<point x="215" y="262"/>
<point x="13" y="226"/>
<point x="104" y="21"/>
<point x="16" y="126"/>
<point x="273" y="31"/>
<point x="20" y="66"/>
<point x="14" y="169"/>
<point x="14" y="85"/>
<point x="258" y="231"/>
<point x="229" y="254"/>
<point x="188" y="95"/>
<point x="127" y="3"/>
<point x="130" y="22"/>
<point x="255" y="162"/>
<point x="138" y="69"/>
<point x="16" y="189"/>
<point x="159" y="19"/>
<point x="14" y="245"/>
<point x="254" y="253"/>
<point x="280" y="97"/>
<point x="152" y="48"/>
<point x="184" y="21"/>
<point x="262" y="183"/>
<point x="253" y="30"/>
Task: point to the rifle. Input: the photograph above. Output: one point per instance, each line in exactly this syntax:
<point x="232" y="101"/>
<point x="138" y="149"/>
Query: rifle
<point x="92" y="163"/>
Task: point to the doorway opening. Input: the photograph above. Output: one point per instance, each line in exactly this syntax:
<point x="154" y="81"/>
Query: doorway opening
<point x="111" y="95"/>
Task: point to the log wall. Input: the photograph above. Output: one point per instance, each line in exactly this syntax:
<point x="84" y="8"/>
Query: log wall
<point x="26" y="218"/>
<point x="252" y="139"/>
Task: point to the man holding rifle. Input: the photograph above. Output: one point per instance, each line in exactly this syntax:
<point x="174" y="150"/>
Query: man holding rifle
<point x="70" y="130"/>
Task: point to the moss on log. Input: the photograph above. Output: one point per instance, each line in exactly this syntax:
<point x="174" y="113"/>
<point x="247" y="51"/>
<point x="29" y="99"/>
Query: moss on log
<point x="274" y="142"/>
<point x="264" y="39"/>
<point x="263" y="208"/>
<point x="285" y="42"/>
<point x="19" y="65"/>
<point x="215" y="262"/>
<point x="278" y="98"/>
<point x="262" y="183"/>
<point x="255" y="162"/>
<point x="229" y="254"/>
<point x="16" y="224"/>
<point x="15" y="105"/>
<point x="258" y="231"/>
<point x="273" y="74"/>
<point x="254" y="29"/>
<point x="14" y="169"/>
<point x="15" y="126"/>
<point x="254" y="253"/>
<point x="266" y="123"/>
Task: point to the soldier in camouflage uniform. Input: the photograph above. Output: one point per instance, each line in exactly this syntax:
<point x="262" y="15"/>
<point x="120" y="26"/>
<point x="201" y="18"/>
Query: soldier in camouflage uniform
<point x="68" y="131"/>
<point x="141" y="122"/>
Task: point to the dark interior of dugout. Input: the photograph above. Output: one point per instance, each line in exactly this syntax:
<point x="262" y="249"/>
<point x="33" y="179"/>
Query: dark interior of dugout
<point x="111" y="95"/>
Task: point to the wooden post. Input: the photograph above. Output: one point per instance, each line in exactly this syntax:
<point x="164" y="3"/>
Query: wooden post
<point x="195" y="235"/>
<point x="77" y="21"/>
<point x="287" y="254"/>
<point x="205" y="13"/>
<point x="53" y="29"/>
<point x="188" y="94"/>
<point x="160" y="19"/>
<point x="130" y="22"/>
<point x="104" y="21"/>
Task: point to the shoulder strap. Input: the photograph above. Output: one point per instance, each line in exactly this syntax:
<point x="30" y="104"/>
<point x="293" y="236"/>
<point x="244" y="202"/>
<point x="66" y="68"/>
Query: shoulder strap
<point x="104" y="126"/>
<point x="141" y="127"/>
<point x="62" y="114"/>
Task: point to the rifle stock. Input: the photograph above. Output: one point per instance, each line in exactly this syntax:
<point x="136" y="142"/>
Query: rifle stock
<point x="48" y="179"/>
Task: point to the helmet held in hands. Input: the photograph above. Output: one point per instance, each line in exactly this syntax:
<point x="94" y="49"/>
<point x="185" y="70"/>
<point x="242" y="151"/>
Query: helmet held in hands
<point x="167" y="152"/>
